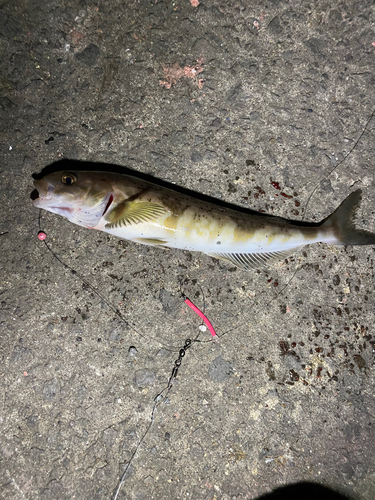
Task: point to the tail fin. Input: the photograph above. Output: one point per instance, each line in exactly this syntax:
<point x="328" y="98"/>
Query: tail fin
<point x="342" y="224"/>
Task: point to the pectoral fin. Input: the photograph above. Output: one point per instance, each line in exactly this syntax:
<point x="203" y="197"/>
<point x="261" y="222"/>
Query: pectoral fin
<point x="246" y="261"/>
<point x="134" y="212"/>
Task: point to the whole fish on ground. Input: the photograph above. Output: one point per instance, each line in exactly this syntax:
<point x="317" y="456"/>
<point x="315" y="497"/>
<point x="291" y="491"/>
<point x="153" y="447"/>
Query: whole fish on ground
<point x="147" y="213"/>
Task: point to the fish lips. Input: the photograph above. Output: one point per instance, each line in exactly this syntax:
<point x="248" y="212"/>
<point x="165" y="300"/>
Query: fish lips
<point x="35" y="198"/>
<point x="39" y="201"/>
<point x="40" y="194"/>
<point x="45" y="203"/>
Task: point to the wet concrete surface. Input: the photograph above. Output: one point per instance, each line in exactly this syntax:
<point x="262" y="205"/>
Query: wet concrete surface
<point x="262" y="104"/>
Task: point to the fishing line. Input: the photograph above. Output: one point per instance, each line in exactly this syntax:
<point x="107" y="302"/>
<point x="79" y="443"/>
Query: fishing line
<point x="305" y="209"/>
<point x="304" y="215"/>
<point x="42" y="237"/>
<point x="220" y="335"/>
<point x="339" y="163"/>
<point x="162" y="396"/>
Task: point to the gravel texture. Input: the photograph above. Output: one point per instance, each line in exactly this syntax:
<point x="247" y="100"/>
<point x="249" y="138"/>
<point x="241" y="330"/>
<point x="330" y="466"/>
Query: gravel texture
<point x="265" y="104"/>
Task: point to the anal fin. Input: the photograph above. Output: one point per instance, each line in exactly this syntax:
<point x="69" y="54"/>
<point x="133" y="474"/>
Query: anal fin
<point x="246" y="261"/>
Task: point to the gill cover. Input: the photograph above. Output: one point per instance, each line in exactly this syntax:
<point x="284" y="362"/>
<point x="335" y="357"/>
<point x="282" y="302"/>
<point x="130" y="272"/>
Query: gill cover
<point x="88" y="208"/>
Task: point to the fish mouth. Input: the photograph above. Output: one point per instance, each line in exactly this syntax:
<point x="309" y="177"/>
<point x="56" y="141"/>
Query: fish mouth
<point x="37" y="199"/>
<point x="34" y="195"/>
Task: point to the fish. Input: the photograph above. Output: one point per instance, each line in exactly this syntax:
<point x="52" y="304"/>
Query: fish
<point x="144" y="212"/>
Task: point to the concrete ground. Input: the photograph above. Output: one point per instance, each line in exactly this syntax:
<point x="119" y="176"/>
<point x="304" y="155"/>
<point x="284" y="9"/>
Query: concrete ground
<point x="258" y="103"/>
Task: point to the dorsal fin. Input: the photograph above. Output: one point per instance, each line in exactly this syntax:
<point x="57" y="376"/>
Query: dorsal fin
<point x="128" y="213"/>
<point x="246" y="261"/>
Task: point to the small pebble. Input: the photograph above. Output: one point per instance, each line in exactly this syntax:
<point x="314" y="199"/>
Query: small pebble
<point x="132" y="351"/>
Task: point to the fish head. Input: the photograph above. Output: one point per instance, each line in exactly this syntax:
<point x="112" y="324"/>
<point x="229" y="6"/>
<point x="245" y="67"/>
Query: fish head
<point x="82" y="197"/>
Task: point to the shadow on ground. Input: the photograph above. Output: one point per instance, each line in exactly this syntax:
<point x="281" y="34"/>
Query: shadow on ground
<point x="304" y="491"/>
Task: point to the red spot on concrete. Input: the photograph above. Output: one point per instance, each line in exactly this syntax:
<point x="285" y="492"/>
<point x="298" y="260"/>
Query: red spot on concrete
<point x="76" y="36"/>
<point x="275" y="184"/>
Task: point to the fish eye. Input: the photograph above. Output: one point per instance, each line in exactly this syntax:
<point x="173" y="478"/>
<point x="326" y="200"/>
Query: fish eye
<point x="68" y="179"/>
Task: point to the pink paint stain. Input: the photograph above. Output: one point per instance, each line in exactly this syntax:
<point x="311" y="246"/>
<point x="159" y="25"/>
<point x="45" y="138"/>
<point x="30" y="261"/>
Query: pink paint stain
<point x="174" y="72"/>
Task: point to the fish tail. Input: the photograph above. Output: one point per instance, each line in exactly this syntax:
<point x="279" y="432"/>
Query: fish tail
<point x="341" y="223"/>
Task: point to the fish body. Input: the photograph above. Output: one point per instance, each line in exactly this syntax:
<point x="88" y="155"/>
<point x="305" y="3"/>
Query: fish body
<point x="147" y="213"/>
